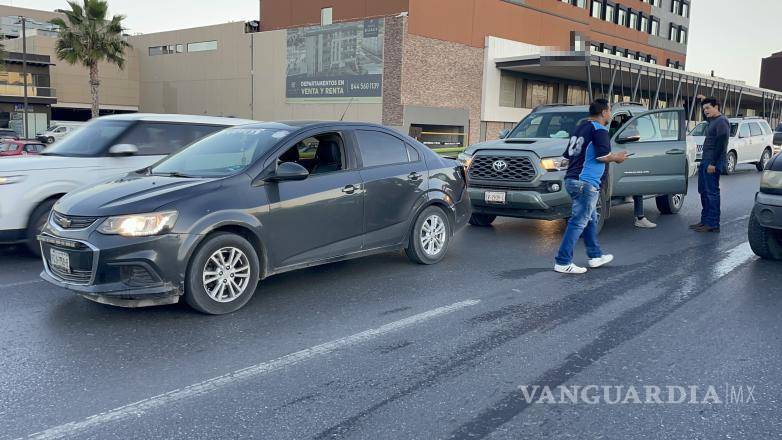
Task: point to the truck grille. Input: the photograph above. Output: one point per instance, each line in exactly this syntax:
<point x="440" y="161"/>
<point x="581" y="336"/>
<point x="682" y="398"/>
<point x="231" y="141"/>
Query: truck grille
<point x="516" y="169"/>
<point x="63" y="221"/>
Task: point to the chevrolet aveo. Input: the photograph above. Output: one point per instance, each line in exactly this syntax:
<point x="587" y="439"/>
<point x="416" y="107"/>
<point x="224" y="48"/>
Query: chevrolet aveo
<point x="207" y="223"/>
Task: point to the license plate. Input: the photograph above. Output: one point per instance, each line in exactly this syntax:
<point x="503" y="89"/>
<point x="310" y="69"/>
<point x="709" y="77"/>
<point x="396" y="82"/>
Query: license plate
<point x="60" y="260"/>
<point x="494" y="197"/>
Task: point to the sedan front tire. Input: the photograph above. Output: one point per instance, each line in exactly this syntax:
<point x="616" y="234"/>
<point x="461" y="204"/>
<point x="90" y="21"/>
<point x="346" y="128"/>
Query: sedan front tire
<point x="430" y="236"/>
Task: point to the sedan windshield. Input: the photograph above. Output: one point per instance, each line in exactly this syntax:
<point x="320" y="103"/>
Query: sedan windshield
<point x="222" y="154"/>
<point x="554" y="125"/>
<point x="92" y="140"/>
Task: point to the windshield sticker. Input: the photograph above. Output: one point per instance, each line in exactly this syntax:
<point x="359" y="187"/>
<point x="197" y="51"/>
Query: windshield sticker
<point x="280" y="134"/>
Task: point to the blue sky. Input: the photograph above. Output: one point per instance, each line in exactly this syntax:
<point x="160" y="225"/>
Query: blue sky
<point x="728" y="36"/>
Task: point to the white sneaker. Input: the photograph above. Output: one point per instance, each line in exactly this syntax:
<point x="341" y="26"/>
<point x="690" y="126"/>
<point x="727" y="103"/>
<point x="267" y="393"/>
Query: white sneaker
<point x="569" y="269"/>
<point x="644" y="223"/>
<point x="601" y="261"/>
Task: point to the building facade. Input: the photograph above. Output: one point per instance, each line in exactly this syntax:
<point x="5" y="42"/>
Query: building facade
<point x="771" y="72"/>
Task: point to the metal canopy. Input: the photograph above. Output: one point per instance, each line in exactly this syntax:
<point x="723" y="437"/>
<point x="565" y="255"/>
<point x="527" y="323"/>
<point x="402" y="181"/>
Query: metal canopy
<point x="622" y="79"/>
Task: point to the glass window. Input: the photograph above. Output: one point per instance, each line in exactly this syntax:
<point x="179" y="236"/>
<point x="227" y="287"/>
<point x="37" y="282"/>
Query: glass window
<point x="754" y="128"/>
<point x="161" y="138"/>
<point x="202" y="46"/>
<point x="379" y="148"/>
<point x="539" y="93"/>
<point x="699" y="130"/>
<point x="683" y="36"/>
<point x="223" y="154"/>
<point x="155" y="50"/>
<point x="744" y="131"/>
<point x="577" y="95"/>
<point x="91" y="140"/>
<point x="633" y="21"/>
<point x="734" y="129"/>
<point x="621" y="17"/>
<point x="610" y="13"/>
<point x="549" y="125"/>
<point x="655" y="29"/>
<point x="596" y="9"/>
<point x="180" y="48"/>
<point x="7" y="147"/>
<point x="655" y="127"/>
<point x="766" y="128"/>
<point x="412" y="154"/>
<point x="685" y="10"/>
<point x="644" y="24"/>
<point x="674" y="33"/>
<point x="326" y="16"/>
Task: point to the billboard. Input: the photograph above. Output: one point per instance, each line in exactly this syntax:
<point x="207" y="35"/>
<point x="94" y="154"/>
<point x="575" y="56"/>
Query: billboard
<point x="342" y="60"/>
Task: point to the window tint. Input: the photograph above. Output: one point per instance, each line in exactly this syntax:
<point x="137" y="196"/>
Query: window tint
<point x="734" y="128"/>
<point x="699" y="130"/>
<point x="33" y="148"/>
<point x="744" y="131"/>
<point x="319" y="154"/>
<point x="380" y="149"/>
<point x="663" y="126"/>
<point x="7" y="147"/>
<point x="159" y="138"/>
<point x="766" y="128"/>
<point x="754" y="128"/>
<point x="548" y="125"/>
<point x="412" y="154"/>
<point x="92" y="140"/>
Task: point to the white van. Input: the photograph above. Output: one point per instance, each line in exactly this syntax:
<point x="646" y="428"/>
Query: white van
<point x="751" y="141"/>
<point x="58" y="130"/>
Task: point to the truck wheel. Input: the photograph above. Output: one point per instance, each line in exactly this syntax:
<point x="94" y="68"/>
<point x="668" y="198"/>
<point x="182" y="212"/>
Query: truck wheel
<point x="430" y="237"/>
<point x="764" y="160"/>
<point x="669" y="204"/>
<point x="765" y="243"/>
<point x="222" y="275"/>
<point x="482" y="220"/>
<point x="602" y="210"/>
<point x="730" y="167"/>
<point x="35" y="225"/>
<point x="50" y="140"/>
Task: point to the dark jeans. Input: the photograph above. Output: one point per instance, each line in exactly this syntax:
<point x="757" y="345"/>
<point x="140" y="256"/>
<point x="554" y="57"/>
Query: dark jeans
<point x="638" y="206"/>
<point x="709" y="189"/>
<point x="583" y="222"/>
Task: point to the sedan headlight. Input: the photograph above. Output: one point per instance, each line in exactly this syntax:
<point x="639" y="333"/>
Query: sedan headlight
<point x="139" y="225"/>
<point x="464" y="159"/>
<point x="7" y="180"/>
<point x="771" y="180"/>
<point x="554" y="163"/>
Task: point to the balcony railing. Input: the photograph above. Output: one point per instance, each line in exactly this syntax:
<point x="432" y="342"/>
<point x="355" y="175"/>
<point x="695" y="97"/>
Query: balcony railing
<point x="32" y="91"/>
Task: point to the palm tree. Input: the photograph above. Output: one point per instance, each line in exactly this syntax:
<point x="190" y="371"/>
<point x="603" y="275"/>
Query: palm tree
<point x="88" y="38"/>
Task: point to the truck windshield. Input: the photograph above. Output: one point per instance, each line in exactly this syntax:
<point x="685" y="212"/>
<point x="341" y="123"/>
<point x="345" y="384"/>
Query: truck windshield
<point x="92" y="140"/>
<point x="550" y="125"/>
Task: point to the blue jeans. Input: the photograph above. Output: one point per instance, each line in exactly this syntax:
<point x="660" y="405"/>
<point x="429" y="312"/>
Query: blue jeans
<point x="638" y="206"/>
<point x="709" y="189"/>
<point x="583" y="222"/>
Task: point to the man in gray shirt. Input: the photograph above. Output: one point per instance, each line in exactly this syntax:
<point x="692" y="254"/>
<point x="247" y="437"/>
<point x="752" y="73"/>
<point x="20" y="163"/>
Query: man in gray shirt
<point x="712" y="164"/>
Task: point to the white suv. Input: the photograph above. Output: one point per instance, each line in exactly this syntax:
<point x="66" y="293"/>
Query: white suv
<point x="103" y="148"/>
<point x="751" y="141"/>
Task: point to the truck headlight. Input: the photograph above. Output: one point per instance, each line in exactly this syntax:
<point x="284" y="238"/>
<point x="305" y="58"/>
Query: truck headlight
<point x="464" y="159"/>
<point x="7" y="180"/>
<point x="554" y="163"/>
<point x="139" y="225"/>
<point x="771" y="180"/>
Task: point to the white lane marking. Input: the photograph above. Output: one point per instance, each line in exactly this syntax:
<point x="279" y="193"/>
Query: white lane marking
<point x="138" y="408"/>
<point x="20" y="283"/>
<point x="735" y="258"/>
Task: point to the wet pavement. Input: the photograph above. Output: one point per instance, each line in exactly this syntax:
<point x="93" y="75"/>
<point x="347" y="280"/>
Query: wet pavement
<point x="382" y="348"/>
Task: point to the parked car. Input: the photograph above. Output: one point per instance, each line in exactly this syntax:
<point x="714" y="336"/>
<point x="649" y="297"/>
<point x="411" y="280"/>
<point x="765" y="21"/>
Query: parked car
<point x="212" y="220"/>
<point x="58" y="131"/>
<point x="778" y="139"/>
<point x="751" y="141"/>
<point x="765" y="222"/>
<point x="12" y="148"/>
<point x="107" y="146"/>
<point x="7" y="133"/>
<point x="522" y="174"/>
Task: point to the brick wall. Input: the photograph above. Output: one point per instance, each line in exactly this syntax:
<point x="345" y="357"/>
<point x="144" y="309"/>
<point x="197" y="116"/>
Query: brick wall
<point x="443" y="74"/>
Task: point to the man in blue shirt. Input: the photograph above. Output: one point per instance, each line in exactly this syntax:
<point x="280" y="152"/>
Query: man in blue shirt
<point x="712" y="164"/>
<point x="588" y="152"/>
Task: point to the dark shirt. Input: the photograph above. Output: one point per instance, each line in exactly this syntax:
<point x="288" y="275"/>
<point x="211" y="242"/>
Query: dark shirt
<point x="589" y="142"/>
<point x="715" y="145"/>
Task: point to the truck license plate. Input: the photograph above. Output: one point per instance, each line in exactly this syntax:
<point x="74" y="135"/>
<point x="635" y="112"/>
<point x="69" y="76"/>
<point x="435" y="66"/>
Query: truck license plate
<point x="60" y="260"/>
<point x="494" y="197"/>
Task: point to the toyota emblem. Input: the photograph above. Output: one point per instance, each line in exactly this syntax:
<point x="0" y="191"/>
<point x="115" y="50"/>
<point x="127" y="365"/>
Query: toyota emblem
<point x="500" y="165"/>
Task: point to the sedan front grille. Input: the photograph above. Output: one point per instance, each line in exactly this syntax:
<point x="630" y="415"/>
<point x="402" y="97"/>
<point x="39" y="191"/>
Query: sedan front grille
<point x="516" y="169"/>
<point x="63" y="221"/>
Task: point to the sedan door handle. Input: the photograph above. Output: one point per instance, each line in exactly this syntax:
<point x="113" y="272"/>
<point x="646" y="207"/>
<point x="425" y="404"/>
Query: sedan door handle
<point x="349" y="189"/>
<point x="414" y="176"/>
<point x="675" y="151"/>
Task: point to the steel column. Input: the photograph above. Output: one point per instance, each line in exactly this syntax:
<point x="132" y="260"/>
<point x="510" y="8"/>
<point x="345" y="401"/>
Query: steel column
<point x="694" y="99"/>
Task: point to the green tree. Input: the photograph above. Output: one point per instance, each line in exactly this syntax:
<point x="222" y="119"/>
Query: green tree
<point x="88" y="37"/>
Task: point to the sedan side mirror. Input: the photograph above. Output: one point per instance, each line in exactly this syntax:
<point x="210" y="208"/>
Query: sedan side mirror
<point x="123" y="150"/>
<point x="627" y="138"/>
<point x="288" y="171"/>
<point x="504" y="133"/>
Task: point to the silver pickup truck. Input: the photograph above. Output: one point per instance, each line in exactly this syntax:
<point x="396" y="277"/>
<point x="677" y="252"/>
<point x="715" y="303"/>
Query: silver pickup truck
<point x="521" y="175"/>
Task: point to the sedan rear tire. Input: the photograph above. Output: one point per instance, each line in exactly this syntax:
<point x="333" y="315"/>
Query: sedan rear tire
<point x="222" y="275"/>
<point x="765" y="243"/>
<point x="430" y="236"/>
<point x="670" y="203"/>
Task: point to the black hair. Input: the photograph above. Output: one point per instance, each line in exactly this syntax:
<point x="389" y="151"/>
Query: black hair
<point x="598" y="106"/>
<point x="714" y="102"/>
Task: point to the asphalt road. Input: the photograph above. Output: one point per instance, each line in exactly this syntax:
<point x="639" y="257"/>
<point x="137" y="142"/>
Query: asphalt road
<point x="380" y="348"/>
